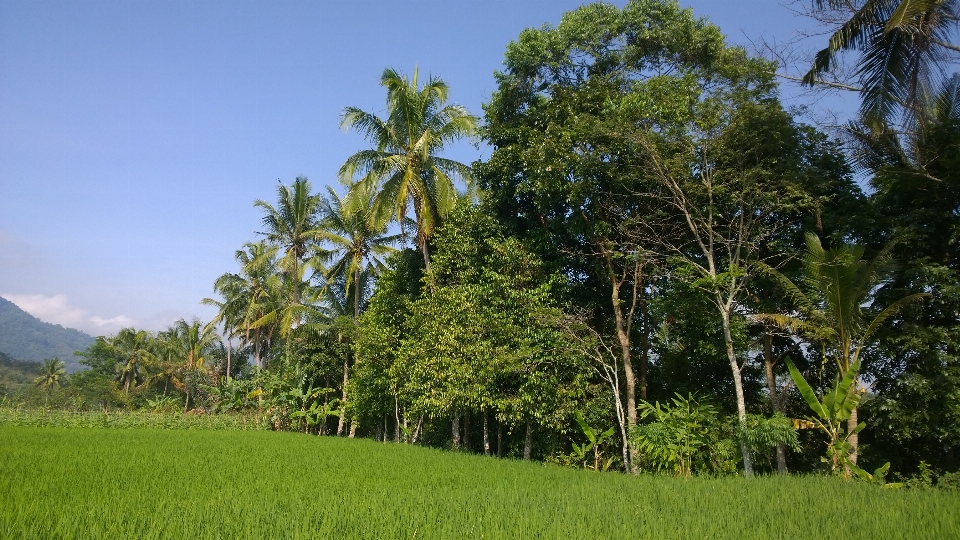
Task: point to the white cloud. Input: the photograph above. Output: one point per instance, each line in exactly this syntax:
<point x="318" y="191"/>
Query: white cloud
<point x="57" y="309"/>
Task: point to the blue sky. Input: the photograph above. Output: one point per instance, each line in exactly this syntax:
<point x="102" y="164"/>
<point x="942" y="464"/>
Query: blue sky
<point x="135" y="136"/>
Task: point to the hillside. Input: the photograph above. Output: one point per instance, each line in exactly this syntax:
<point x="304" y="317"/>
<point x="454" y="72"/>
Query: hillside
<point x="15" y="373"/>
<point x="25" y="337"/>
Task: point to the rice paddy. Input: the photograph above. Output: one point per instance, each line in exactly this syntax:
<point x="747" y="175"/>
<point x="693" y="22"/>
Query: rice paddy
<point x="152" y="483"/>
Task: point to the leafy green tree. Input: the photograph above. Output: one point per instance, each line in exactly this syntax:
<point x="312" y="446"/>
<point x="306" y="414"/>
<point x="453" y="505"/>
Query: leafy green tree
<point x="405" y="165"/>
<point x="915" y="366"/>
<point x="634" y="143"/>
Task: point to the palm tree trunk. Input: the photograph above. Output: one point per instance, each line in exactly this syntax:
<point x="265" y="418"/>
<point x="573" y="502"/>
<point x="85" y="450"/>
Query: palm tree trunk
<point x="342" y="421"/>
<point x="229" y="348"/>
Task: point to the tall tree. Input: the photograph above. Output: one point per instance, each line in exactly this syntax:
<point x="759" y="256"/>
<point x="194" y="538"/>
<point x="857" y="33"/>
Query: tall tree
<point x="294" y="226"/>
<point x="624" y="137"/>
<point x="359" y="241"/>
<point x="405" y="165"/>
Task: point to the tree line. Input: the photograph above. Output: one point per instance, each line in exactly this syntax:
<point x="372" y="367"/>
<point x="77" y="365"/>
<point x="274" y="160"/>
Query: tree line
<point x="658" y="268"/>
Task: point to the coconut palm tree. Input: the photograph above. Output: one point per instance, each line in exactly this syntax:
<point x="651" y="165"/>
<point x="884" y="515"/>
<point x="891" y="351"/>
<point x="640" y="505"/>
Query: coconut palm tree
<point x="135" y="348"/>
<point x="358" y="237"/>
<point x="294" y="226"/>
<point x="905" y="48"/>
<point x="51" y="371"/>
<point x="834" y="305"/>
<point x="404" y="163"/>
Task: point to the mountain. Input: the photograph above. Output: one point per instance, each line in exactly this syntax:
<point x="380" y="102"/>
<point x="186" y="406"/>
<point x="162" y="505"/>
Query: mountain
<point x="25" y="337"/>
<point x="15" y="374"/>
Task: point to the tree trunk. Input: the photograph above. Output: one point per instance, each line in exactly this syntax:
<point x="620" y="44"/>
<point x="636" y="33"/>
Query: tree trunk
<point x="422" y="240"/>
<point x="416" y="431"/>
<point x="341" y="423"/>
<point x="379" y="436"/>
<point x="499" y="439"/>
<point x="396" y="414"/>
<point x="455" y="423"/>
<point x="353" y="428"/>
<point x="644" y="347"/>
<point x="528" y="441"/>
<point x="738" y="387"/>
<point x="466" y="431"/>
<point x="853" y="439"/>
<point x="229" y="348"/>
<point x="486" y="435"/>
<point x="768" y="361"/>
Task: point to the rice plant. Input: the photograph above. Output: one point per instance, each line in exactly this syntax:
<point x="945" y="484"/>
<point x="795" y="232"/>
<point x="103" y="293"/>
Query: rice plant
<point x="150" y="483"/>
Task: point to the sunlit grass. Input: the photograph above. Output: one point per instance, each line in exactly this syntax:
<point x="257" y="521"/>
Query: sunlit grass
<point x="149" y="483"/>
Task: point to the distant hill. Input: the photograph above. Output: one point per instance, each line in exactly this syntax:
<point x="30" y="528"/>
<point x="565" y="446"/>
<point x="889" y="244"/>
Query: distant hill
<point x="15" y="374"/>
<point x="25" y="337"/>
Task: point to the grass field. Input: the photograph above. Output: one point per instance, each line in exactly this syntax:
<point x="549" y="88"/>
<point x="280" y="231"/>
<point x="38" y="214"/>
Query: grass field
<point x="149" y="483"/>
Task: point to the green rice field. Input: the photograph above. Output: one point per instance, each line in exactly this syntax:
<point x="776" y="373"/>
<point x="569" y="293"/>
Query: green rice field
<point x="152" y="483"/>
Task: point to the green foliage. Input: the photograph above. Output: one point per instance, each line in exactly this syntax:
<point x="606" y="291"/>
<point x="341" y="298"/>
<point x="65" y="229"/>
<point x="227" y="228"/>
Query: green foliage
<point x="832" y="412"/>
<point x="13" y="415"/>
<point x="762" y="433"/>
<point x="678" y="432"/>
<point x="594" y="445"/>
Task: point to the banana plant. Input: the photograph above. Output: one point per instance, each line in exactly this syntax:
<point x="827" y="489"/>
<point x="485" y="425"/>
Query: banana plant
<point x="594" y="440"/>
<point x="832" y="413"/>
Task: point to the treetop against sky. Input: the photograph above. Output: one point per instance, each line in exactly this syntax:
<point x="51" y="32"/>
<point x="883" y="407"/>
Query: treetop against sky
<point x="134" y="137"/>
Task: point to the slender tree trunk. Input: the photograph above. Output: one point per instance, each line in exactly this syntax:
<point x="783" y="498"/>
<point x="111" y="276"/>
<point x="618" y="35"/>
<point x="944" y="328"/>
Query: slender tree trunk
<point x="341" y="423"/>
<point x="353" y="428"/>
<point x="423" y="240"/>
<point x="499" y="439"/>
<point x="396" y="414"/>
<point x="466" y="431"/>
<point x="455" y="424"/>
<point x="644" y="347"/>
<point x="623" y="326"/>
<point x="229" y="349"/>
<point x="528" y="441"/>
<point x="486" y="435"/>
<point x="854" y="439"/>
<point x="416" y="431"/>
<point x="379" y="436"/>
<point x="768" y="361"/>
<point x="738" y="387"/>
